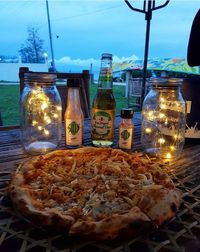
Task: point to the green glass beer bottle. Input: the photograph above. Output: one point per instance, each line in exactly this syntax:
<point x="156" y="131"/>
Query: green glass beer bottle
<point x="103" y="106"/>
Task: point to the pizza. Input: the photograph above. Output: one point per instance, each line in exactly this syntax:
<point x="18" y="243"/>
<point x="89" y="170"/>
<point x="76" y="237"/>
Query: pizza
<point x="98" y="192"/>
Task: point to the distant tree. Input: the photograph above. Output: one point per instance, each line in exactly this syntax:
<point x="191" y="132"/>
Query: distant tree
<point x="32" y="51"/>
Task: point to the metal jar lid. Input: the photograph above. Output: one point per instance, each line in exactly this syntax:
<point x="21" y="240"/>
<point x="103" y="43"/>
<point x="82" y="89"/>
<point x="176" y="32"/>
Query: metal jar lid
<point x="165" y="82"/>
<point x="39" y="78"/>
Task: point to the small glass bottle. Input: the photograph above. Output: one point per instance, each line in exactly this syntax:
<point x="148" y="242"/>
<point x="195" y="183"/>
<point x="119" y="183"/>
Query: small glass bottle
<point x="126" y="129"/>
<point x="164" y="118"/>
<point x="103" y="106"/>
<point x="74" y="119"/>
<point x="40" y="113"/>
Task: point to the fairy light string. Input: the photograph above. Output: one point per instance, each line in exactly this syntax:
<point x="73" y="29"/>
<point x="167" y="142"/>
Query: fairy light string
<point x="163" y="123"/>
<point x="41" y="111"/>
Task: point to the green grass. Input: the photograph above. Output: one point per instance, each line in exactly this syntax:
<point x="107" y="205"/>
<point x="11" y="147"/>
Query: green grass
<point x="119" y="94"/>
<point x="9" y="105"/>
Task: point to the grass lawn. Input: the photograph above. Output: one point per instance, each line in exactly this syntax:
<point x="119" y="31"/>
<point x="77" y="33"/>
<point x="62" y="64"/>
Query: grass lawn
<point x="9" y="105"/>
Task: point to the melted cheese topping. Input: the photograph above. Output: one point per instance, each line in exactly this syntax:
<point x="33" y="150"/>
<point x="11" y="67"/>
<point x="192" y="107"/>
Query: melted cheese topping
<point x="94" y="184"/>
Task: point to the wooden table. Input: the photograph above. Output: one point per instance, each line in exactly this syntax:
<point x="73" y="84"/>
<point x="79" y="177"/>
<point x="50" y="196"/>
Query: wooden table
<point x="182" y="233"/>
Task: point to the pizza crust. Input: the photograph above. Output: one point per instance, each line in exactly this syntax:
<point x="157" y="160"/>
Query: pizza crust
<point x="101" y="192"/>
<point x="132" y="223"/>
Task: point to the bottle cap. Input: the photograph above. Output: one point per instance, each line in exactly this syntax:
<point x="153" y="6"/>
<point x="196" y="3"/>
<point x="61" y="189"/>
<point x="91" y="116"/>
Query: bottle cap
<point x="127" y="113"/>
<point x="106" y="55"/>
<point x="73" y="83"/>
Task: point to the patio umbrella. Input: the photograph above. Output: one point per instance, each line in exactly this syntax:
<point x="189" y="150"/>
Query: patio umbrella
<point x="148" y="7"/>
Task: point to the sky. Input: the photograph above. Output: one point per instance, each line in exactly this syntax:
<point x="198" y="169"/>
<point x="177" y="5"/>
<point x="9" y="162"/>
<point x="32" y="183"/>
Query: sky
<point x="83" y="29"/>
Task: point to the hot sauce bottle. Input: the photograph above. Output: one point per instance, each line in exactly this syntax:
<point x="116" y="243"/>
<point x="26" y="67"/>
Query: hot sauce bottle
<point x="126" y="129"/>
<point x="73" y="115"/>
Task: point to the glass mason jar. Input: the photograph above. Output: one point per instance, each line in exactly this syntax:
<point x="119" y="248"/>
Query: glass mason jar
<point x="40" y="113"/>
<point x="164" y="118"/>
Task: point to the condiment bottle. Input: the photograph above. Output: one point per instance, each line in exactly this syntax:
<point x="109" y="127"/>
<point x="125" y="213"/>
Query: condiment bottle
<point x="73" y="118"/>
<point x="126" y="129"/>
<point x="103" y="106"/>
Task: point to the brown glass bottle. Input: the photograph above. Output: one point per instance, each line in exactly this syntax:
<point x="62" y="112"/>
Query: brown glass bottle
<point x="103" y="106"/>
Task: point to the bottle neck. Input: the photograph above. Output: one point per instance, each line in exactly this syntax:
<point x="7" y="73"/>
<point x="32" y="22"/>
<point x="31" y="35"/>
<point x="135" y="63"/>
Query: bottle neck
<point x="73" y="97"/>
<point x="105" y="77"/>
<point x="127" y="120"/>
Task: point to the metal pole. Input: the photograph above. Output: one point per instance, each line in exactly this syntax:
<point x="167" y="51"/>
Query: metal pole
<point x="50" y="38"/>
<point x="148" y="7"/>
<point x="148" y="17"/>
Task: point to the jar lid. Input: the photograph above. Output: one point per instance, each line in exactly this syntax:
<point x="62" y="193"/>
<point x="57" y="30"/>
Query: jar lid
<point x="75" y="83"/>
<point x="165" y="82"/>
<point x="127" y="113"/>
<point x="41" y="78"/>
<point x="106" y="56"/>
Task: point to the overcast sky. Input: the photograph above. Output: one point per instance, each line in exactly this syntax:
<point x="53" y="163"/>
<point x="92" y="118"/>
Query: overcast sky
<point x="82" y="30"/>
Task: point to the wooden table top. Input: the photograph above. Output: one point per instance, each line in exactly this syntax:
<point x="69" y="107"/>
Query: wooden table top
<point x="182" y="233"/>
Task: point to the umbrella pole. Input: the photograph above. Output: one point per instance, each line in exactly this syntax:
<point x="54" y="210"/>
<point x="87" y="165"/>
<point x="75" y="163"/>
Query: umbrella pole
<point x="146" y="51"/>
<point x="148" y="7"/>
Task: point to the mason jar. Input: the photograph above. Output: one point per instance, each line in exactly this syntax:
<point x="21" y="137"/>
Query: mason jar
<point x="40" y="113"/>
<point x="164" y="118"/>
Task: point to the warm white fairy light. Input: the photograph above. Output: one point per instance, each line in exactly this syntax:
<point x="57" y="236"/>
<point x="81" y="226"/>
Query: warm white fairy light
<point x="39" y="105"/>
<point x="59" y="108"/>
<point x="148" y="130"/>
<point x="39" y="128"/>
<point x="161" y="115"/>
<point x="34" y="122"/>
<point x="47" y="119"/>
<point x="46" y="132"/>
<point x="175" y="136"/>
<point x="161" y="140"/>
<point x="161" y="128"/>
<point x="44" y="105"/>
<point x="55" y="115"/>
<point x="163" y="106"/>
<point x="168" y="155"/>
<point x="172" y="148"/>
<point x="162" y="99"/>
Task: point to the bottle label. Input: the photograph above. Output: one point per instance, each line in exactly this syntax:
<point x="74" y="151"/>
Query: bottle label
<point x="102" y="124"/>
<point x="125" y="138"/>
<point x="74" y="132"/>
<point x="105" y="74"/>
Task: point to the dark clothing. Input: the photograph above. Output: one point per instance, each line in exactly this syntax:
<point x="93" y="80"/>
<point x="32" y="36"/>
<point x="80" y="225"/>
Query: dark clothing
<point x="193" y="53"/>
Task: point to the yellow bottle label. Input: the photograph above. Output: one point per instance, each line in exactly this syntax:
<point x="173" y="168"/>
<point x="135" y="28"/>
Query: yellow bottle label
<point x="73" y="132"/>
<point x="102" y="124"/>
<point x="125" y="138"/>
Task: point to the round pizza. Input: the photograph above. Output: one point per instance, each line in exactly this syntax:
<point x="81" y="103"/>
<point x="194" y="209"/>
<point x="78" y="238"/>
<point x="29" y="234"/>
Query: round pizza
<point x="100" y="192"/>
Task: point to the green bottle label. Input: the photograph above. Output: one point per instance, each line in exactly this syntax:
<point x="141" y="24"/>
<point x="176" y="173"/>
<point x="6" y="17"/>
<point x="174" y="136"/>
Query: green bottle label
<point x="102" y="124"/>
<point x="74" y="132"/>
<point x="125" y="134"/>
<point x="125" y="138"/>
<point x="73" y="128"/>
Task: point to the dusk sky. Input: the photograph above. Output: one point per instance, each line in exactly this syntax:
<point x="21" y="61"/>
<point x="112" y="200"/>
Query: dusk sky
<point x="82" y="30"/>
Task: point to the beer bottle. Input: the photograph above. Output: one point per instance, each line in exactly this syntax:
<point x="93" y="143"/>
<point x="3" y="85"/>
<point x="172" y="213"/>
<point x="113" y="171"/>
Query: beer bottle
<point x="103" y="106"/>
<point x="73" y="115"/>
